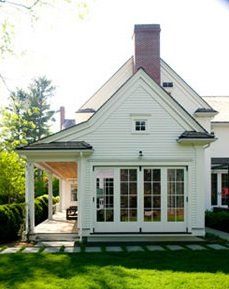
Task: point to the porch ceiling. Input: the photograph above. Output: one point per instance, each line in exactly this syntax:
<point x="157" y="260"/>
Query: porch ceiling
<point x="65" y="170"/>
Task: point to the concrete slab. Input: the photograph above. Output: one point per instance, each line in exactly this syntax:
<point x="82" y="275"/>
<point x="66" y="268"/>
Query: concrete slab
<point x="220" y="234"/>
<point x="175" y="247"/>
<point x="31" y="250"/>
<point x="217" y="247"/>
<point x="134" y="248"/>
<point x="195" y="247"/>
<point x="155" y="248"/>
<point x="10" y="250"/>
<point x="114" y="249"/>
<point x="55" y="244"/>
<point x="52" y="250"/>
<point x="93" y="249"/>
<point x="72" y="250"/>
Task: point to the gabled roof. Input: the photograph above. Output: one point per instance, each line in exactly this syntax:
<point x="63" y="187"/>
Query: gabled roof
<point x="67" y="145"/>
<point x="187" y="121"/>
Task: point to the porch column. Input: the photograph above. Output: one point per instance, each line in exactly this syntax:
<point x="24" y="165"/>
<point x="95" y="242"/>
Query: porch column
<point x="29" y="198"/>
<point x="80" y="171"/>
<point x="50" y="195"/>
<point x="61" y="194"/>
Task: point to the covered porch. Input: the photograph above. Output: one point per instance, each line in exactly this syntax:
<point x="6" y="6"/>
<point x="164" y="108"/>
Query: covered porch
<point x="64" y="161"/>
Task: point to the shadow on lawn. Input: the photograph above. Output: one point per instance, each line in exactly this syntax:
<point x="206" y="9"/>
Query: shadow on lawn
<point x="19" y="268"/>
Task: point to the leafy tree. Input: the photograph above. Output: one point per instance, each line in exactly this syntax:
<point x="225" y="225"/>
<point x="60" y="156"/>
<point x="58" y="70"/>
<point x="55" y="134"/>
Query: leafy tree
<point x="12" y="178"/>
<point x="27" y="119"/>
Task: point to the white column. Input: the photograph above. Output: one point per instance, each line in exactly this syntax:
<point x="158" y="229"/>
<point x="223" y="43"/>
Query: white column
<point x="50" y="195"/>
<point x="29" y="197"/>
<point x="61" y="194"/>
<point x="80" y="171"/>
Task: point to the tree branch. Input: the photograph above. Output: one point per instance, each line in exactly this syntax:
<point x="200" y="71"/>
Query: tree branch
<point x="20" y="4"/>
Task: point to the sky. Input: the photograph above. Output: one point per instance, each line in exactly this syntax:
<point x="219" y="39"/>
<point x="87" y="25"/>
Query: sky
<point x="80" y="55"/>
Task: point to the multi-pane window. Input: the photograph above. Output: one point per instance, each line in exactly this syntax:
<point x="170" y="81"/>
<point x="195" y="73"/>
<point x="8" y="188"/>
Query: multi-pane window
<point x="140" y="125"/>
<point x="167" y="84"/>
<point x="214" y="184"/>
<point x="175" y="185"/>
<point x="128" y="195"/>
<point x="152" y="195"/>
<point x="105" y="197"/>
<point x="225" y="189"/>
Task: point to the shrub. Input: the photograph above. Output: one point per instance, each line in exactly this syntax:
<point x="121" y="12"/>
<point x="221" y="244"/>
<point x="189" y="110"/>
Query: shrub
<point x="217" y="220"/>
<point x="12" y="217"/>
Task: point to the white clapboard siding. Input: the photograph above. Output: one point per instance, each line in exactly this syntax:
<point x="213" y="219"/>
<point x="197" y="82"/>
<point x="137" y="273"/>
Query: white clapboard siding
<point x="114" y="139"/>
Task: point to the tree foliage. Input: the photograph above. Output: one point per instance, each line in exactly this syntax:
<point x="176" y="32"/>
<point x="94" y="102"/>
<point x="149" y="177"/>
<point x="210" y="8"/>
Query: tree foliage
<point x="27" y="118"/>
<point x="12" y="177"/>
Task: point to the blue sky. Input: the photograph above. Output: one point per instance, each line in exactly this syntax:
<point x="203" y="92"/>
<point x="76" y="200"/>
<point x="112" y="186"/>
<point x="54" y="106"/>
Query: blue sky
<point x="80" y="55"/>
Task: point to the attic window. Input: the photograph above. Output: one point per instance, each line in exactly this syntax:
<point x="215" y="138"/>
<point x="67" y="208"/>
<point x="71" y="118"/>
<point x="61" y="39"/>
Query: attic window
<point x="167" y="84"/>
<point x="140" y="125"/>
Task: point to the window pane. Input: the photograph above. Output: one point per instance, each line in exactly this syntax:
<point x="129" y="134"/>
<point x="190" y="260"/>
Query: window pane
<point x="180" y="175"/>
<point x="109" y="215"/>
<point x="124" y="215"/>
<point x="104" y="195"/>
<point x="225" y="189"/>
<point x="180" y="202"/>
<point x="133" y="202"/>
<point x="171" y="188"/>
<point x="214" y="189"/>
<point x="156" y="188"/>
<point x="124" y="188"/>
<point x="171" y="215"/>
<point x="180" y="188"/>
<point x="171" y="175"/>
<point x="133" y="189"/>
<point x="124" y="202"/>
<point x="133" y="175"/>
<point x="156" y="202"/>
<point x="157" y="215"/>
<point x="171" y="202"/>
<point x="147" y="188"/>
<point x="179" y="215"/>
<point x="157" y="175"/>
<point x="124" y="175"/>
<point x="132" y="215"/>
<point x="147" y="175"/>
<point x="148" y="202"/>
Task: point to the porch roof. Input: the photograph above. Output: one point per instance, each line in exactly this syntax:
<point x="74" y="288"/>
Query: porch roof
<point x="67" y="145"/>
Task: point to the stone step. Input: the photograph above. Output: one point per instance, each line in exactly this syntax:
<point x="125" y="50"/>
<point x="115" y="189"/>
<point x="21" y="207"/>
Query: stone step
<point x="144" y="238"/>
<point x="54" y="237"/>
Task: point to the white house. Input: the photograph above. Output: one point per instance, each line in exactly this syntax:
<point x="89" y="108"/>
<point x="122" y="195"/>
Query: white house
<point x="140" y="154"/>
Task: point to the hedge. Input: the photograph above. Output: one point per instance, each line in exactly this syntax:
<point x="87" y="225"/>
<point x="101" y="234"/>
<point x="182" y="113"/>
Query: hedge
<point x="217" y="220"/>
<point x="12" y="217"/>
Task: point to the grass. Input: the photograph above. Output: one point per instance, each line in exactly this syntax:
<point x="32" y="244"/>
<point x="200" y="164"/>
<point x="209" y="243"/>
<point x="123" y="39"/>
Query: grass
<point x="142" y="270"/>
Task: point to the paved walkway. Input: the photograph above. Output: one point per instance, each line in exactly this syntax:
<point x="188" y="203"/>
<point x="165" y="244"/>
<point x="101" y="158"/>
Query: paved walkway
<point x="220" y="234"/>
<point x="58" y="248"/>
<point x="58" y="224"/>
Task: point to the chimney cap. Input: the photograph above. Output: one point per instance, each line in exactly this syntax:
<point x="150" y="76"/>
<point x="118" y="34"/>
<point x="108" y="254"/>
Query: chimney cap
<point x="146" y="27"/>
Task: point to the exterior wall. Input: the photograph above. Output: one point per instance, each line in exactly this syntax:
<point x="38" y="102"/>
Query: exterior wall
<point x="67" y="195"/>
<point x="220" y="148"/>
<point x="114" y="142"/>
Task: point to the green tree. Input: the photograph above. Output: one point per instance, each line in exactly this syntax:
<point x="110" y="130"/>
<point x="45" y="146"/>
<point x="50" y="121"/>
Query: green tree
<point x="27" y="119"/>
<point x="12" y="178"/>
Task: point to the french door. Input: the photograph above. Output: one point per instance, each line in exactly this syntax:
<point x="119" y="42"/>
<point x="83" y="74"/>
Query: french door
<point x="140" y="199"/>
<point x="220" y="188"/>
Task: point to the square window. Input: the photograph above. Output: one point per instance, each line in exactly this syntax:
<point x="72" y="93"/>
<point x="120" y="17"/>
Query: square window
<point x="140" y="125"/>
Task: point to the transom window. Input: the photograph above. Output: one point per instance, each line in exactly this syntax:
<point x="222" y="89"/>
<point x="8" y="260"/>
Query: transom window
<point x="140" y="125"/>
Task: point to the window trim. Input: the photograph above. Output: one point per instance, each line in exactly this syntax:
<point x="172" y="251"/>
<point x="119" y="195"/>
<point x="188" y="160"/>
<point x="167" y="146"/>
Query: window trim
<point x="140" y="117"/>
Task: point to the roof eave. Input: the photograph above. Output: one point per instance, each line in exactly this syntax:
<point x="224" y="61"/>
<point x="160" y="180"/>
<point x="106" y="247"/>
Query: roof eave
<point x="196" y="141"/>
<point x="206" y="114"/>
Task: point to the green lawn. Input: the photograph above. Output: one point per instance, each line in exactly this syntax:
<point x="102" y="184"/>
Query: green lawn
<point x="159" y="270"/>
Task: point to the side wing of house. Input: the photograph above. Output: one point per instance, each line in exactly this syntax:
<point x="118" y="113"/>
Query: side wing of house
<point x="146" y="170"/>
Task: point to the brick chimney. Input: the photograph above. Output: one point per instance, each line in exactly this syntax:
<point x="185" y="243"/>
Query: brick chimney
<point x="62" y="116"/>
<point x="147" y="49"/>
